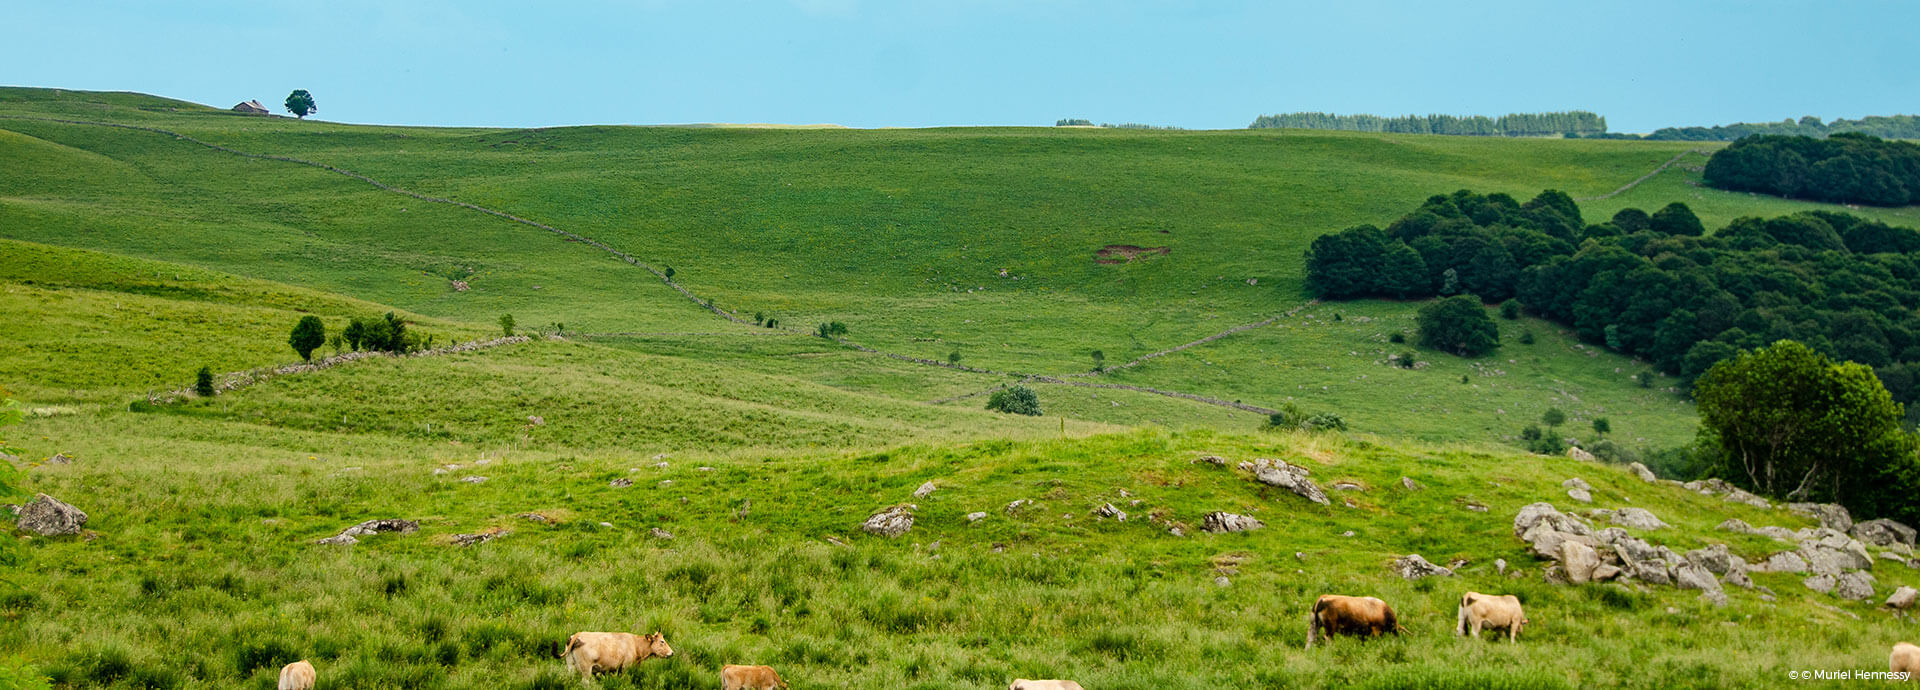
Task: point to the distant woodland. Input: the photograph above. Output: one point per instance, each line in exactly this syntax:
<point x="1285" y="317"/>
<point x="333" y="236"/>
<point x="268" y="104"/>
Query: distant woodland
<point x="1849" y="167"/>
<point x="1512" y="125"/>
<point x="1886" y="127"/>
<point x="1651" y="285"/>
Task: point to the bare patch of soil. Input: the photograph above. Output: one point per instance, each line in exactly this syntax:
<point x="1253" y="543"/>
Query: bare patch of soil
<point x="1124" y="253"/>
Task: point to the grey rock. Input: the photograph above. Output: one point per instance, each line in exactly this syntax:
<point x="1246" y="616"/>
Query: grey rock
<point x="1214" y="460"/>
<point x="1831" y="516"/>
<point x="1347" y="533"/>
<point x="1883" y="532"/>
<point x="1535" y="514"/>
<point x="1652" y="571"/>
<point x="620" y="483"/>
<point x="1641" y="471"/>
<point x="1107" y="510"/>
<point x="1576" y="453"/>
<point x="1784" y="562"/>
<point x="658" y="533"/>
<point x="60" y="459"/>
<point x="1347" y="486"/>
<point x="1409" y="484"/>
<point x="1734" y="525"/>
<point x="1834" y="553"/>
<point x="1715" y="558"/>
<point x="535" y="517"/>
<point x="1741" y="496"/>
<point x="1290" y="477"/>
<point x="1738" y="578"/>
<point x="1218" y="522"/>
<point x="1776" y="531"/>
<point x="1820" y="583"/>
<point x="976" y="516"/>
<point x="1176" y="531"/>
<point x="1578" y="561"/>
<point x="1903" y="598"/>
<point x="1694" y="576"/>
<point x="1576" y="483"/>
<point x="1222" y="581"/>
<point x="924" y="489"/>
<point x="1581" y="495"/>
<point x="1714" y="597"/>
<point x="1606" y="572"/>
<point x="1637" y="518"/>
<point x="1710" y="487"/>
<point x="1547" y="542"/>
<point x="1475" y="507"/>
<point x="1017" y="504"/>
<point x="473" y="479"/>
<point x="1855" y="585"/>
<point x="891" y="522"/>
<point x="1500" y="565"/>
<point x="480" y="537"/>
<point x="339" y="540"/>
<point x="351" y="535"/>
<point x="1414" y="567"/>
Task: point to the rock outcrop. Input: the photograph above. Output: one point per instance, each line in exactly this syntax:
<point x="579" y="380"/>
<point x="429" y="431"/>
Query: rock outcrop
<point x="1831" y="516"/>
<point x="1577" y="453"/>
<point x="1641" y="471"/>
<point x="1884" y="533"/>
<point x="351" y="535"/>
<point x="48" y="517"/>
<point x="924" y="489"/>
<point x="1219" y="522"/>
<point x="1107" y="510"/>
<point x="1286" y="476"/>
<point x="891" y="522"/>
<point x="1637" y="518"/>
<point x="1414" y="567"/>
<point x="1903" y="598"/>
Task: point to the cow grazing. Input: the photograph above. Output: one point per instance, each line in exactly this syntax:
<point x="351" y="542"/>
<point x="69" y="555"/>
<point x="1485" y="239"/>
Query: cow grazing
<point x="298" y="675"/>
<point x="1359" y="616"/>
<point x="1024" y="684"/>
<point x="750" y="678"/>
<point x="1905" y="657"/>
<point x="1490" y="611"/>
<point x="591" y="652"/>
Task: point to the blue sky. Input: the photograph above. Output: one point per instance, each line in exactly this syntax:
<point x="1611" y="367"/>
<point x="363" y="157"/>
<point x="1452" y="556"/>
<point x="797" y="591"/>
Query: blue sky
<point x="864" y="63"/>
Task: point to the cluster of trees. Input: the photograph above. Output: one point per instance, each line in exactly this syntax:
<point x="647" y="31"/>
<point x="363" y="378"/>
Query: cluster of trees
<point x="1893" y="127"/>
<point x="1650" y="285"/>
<point x="1292" y="418"/>
<point x="1512" y="125"/>
<point x="1789" y="422"/>
<point x="384" y="334"/>
<point x="1847" y="168"/>
<point x="1457" y="324"/>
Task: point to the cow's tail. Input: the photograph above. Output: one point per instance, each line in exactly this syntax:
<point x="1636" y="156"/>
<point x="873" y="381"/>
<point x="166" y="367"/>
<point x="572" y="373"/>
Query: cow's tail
<point x="1461" y="628"/>
<point x="573" y="642"/>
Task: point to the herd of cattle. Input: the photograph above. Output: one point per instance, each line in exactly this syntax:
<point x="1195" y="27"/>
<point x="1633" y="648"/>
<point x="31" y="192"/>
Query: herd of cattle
<point x="588" y="653"/>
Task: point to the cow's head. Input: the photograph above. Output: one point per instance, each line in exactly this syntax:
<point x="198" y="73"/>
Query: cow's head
<point x="657" y="645"/>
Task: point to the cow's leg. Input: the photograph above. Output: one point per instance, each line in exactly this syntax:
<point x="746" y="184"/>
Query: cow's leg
<point x="1476" y="629"/>
<point x="1312" y="624"/>
<point x="1513" y="633"/>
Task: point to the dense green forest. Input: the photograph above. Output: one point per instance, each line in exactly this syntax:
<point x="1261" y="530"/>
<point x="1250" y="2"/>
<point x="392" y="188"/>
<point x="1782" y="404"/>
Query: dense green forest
<point x="1512" y="125"/>
<point x="1889" y="127"/>
<point x="1844" y="168"/>
<point x="1651" y="285"/>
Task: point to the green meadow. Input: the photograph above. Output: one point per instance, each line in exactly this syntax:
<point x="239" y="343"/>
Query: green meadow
<point x="129" y="259"/>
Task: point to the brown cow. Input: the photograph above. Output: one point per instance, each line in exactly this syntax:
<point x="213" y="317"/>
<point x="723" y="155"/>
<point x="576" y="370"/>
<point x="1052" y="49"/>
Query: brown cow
<point x="1024" y="684"/>
<point x="1490" y="611"/>
<point x="750" y="678"/>
<point x="1905" y="657"/>
<point x="1359" y="616"/>
<point x="590" y="652"/>
<point x="298" y="675"/>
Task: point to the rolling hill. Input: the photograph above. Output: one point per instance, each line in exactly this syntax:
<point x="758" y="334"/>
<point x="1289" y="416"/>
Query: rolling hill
<point x="143" y="238"/>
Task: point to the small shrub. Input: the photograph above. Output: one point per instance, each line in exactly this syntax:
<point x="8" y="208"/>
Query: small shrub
<point x="1464" y="379"/>
<point x="953" y="357"/>
<point x="506" y="325"/>
<point x="1099" y="360"/>
<point x="1406" y="360"/>
<point x="1526" y="337"/>
<point x="1015" y="399"/>
<point x="1531" y="433"/>
<point x="1644" y="378"/>
<point x="1324" y="421"/>
<point x="669" y="273"/>
<point x="1510" y="309"/>
<point x="1602" y="426"/>
<point x="1553" y="417"/>
<point x="1397" y="337"/>
<point x="831" y="329"/>
<point x="203" y="382"/>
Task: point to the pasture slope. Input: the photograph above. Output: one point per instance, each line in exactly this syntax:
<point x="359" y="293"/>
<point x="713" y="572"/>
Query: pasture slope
<point x="130" y="258"/>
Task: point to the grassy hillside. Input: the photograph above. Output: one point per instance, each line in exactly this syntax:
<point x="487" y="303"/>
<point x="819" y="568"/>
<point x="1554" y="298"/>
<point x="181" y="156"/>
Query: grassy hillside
<point x="203" y="573"/>
<point x="130" y="258"/>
